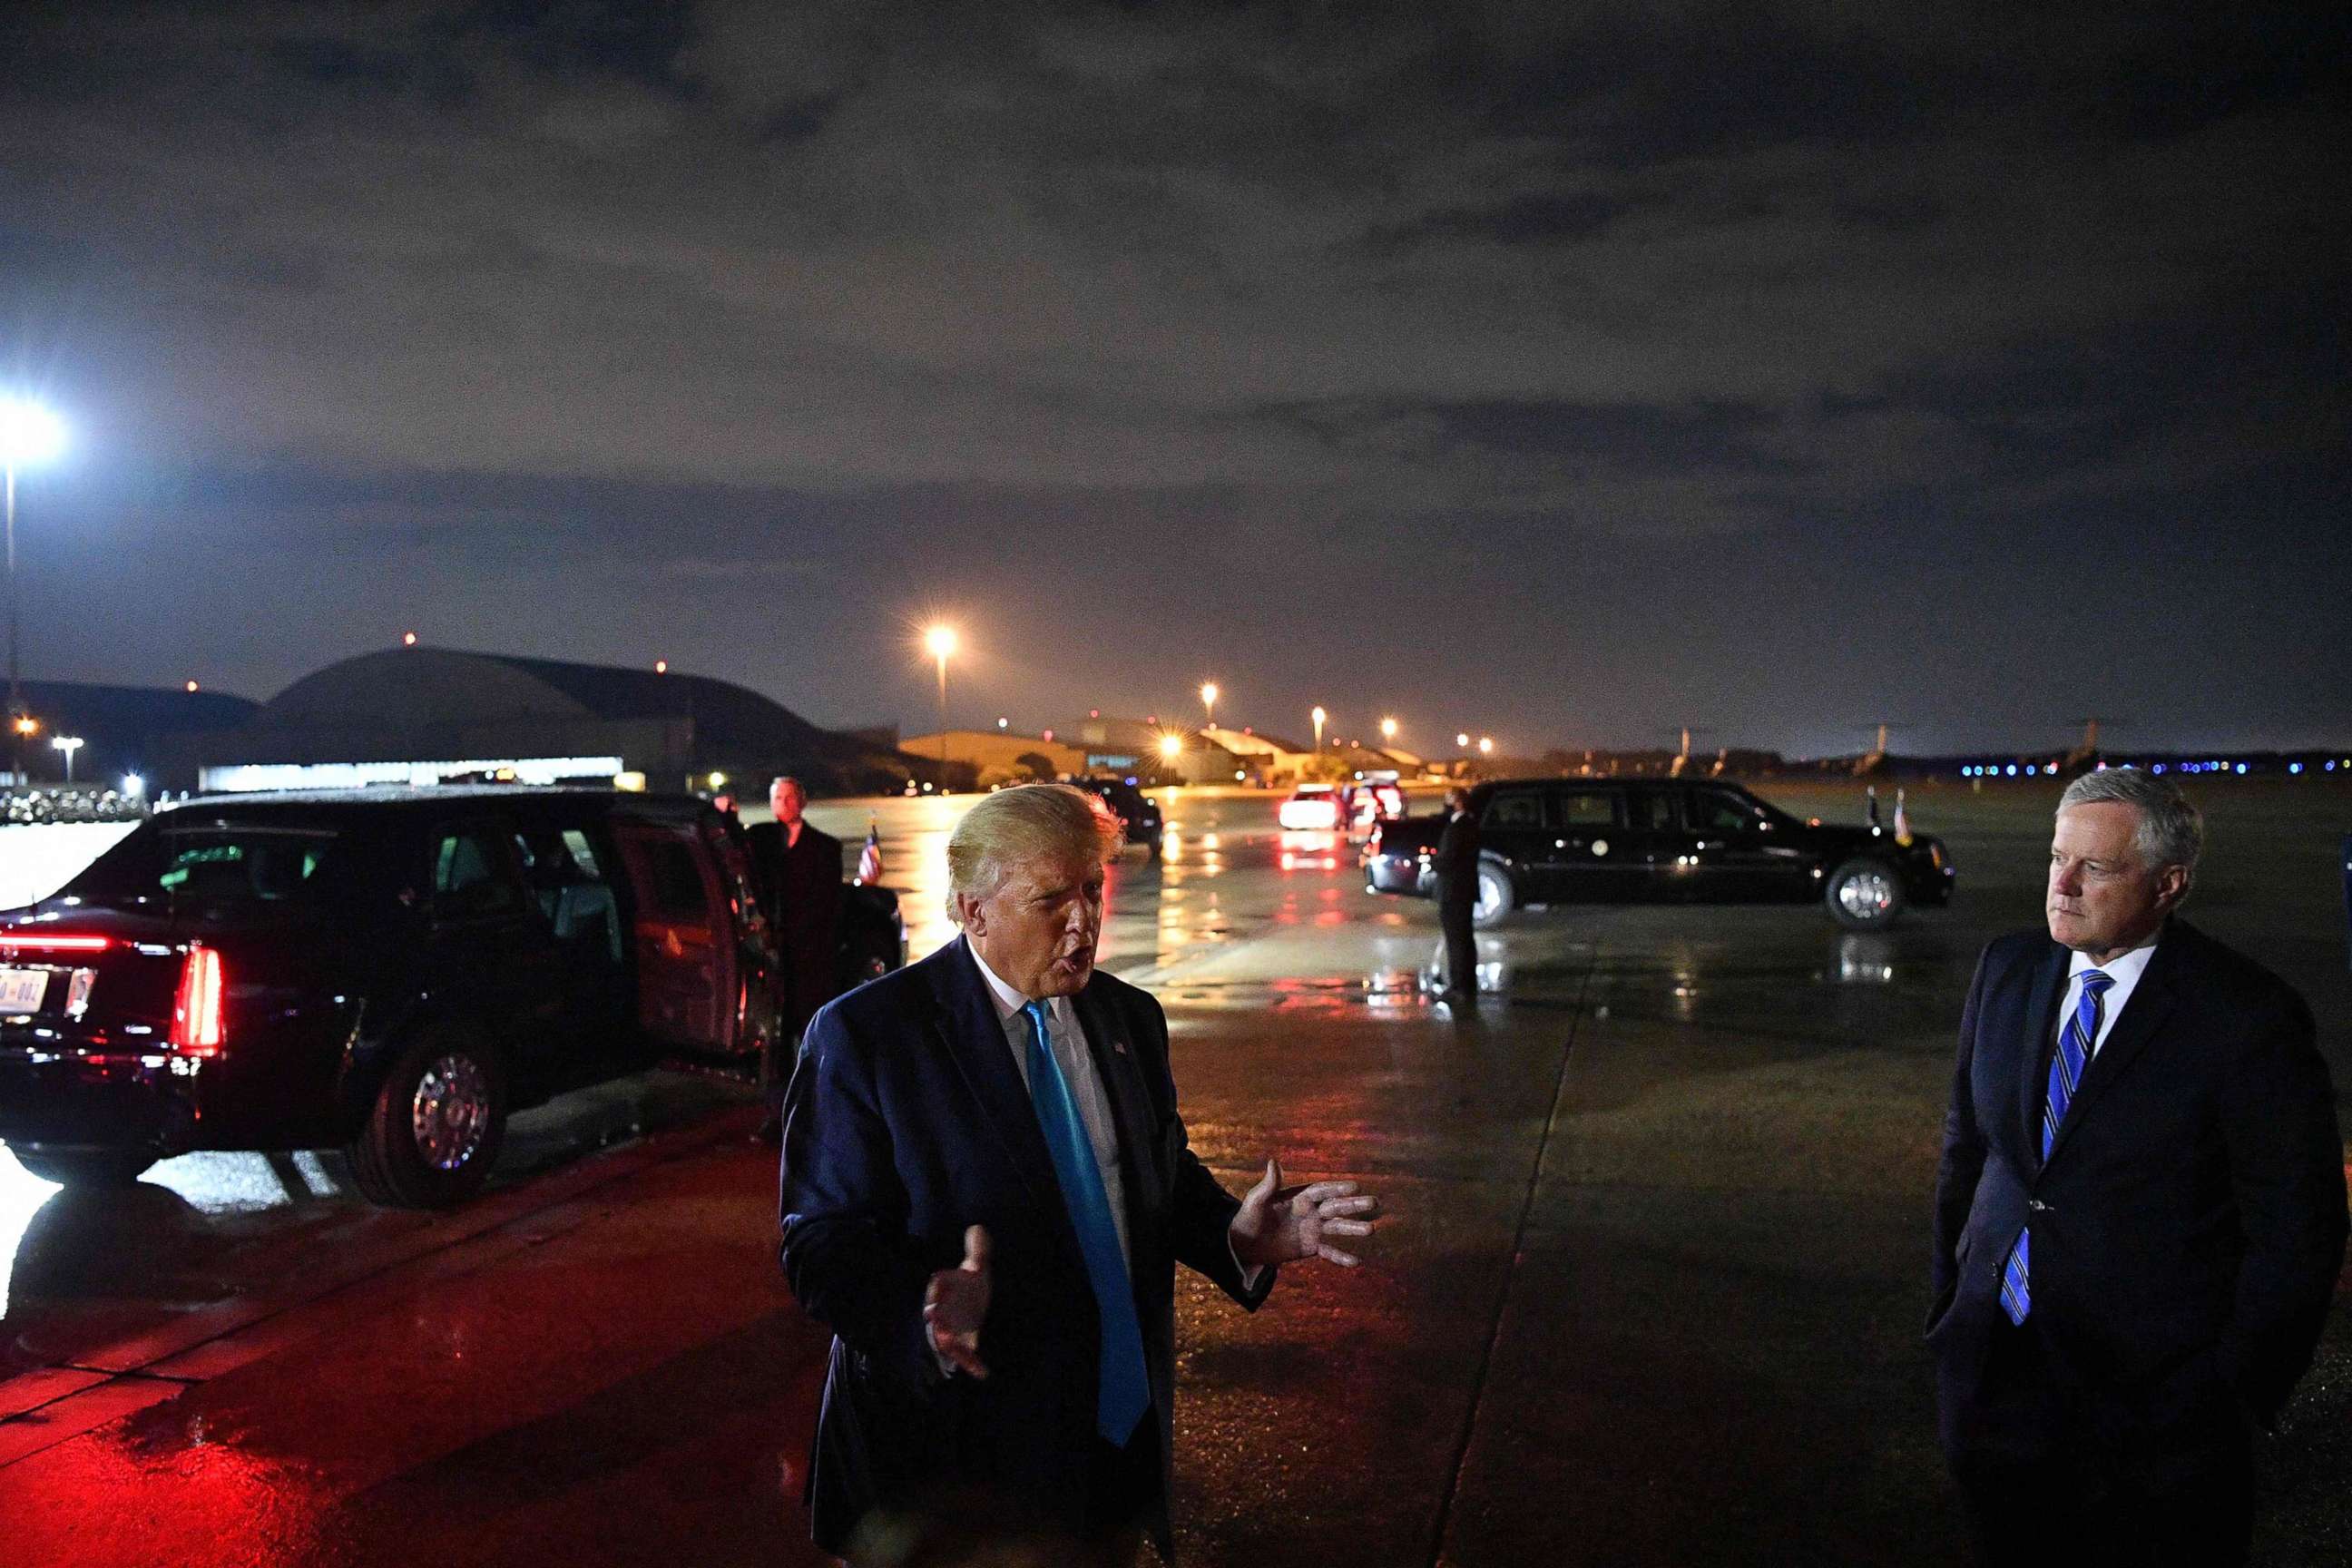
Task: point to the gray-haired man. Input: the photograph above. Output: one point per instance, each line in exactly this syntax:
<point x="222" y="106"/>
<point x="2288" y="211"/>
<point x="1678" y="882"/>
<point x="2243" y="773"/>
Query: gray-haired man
<point x="2141" y="1214"/>
<point x="986" y="1190"/>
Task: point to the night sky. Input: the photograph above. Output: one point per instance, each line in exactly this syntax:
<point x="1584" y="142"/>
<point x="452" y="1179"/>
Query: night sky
<point x="1564" y="372"/>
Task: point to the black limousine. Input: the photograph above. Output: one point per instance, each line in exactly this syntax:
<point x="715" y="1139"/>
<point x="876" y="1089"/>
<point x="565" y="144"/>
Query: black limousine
<point x="1583" y="841"/>
<point x="391" y="971"/>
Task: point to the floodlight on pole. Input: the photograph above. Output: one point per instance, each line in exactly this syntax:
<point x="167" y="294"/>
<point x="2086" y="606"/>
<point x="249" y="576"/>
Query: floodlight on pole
<point x="940" y="641"/>
<point x="30" y="434"/>
<point x="1485" y="745"/>
<point x="1388" y="728"/>
<point x="1319" y="716"/>
<point x="68" y="744"/>
<point x="1209" y="704"/>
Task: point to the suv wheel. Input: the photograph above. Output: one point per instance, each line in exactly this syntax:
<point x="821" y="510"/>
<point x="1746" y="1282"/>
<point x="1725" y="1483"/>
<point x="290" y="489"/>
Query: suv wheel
<point x="1864" y="895"/>
<point x="85" y="1167"/>
<point x="1496" y="900"/>
<point x="434" y="1130"/>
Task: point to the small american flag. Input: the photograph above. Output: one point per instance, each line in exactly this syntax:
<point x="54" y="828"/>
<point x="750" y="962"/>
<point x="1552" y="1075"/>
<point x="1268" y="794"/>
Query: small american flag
<point x="869" y="858"/>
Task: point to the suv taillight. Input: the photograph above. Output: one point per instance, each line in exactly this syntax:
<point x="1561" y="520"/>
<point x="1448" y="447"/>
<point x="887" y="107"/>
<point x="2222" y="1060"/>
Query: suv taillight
<point x="196" y="1010"/>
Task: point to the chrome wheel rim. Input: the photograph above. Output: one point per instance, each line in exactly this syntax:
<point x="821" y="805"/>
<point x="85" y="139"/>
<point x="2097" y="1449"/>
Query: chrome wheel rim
<point x="1866" y="894"/>
<point x="1490" y="896"/>
<point x="450" y="1113"/>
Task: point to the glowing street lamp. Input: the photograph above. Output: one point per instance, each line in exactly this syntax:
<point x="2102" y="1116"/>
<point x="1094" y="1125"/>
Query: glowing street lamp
<point x="1209" y="704"/>
<point x="1485" y="745"/>
<point x="940" y="641"/>
<point x="28" y="434"/>
<point x="68" y="744"/>
<point x="1462" y="741"/>
<point x="1319" y="716"/>
<point x="1388" y="728"/>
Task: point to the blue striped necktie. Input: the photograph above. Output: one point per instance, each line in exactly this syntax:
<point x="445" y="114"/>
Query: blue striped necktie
<point x="2066" y="1065"/>
<point x="1125" y="1388"/>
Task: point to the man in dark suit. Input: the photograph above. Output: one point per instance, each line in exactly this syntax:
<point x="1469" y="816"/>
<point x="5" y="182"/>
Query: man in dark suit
<point x="799" y="873"/>
<point x="986" y="1188"/>
<point x="1456" y="869"/>
<point x="2140" y="1212"/>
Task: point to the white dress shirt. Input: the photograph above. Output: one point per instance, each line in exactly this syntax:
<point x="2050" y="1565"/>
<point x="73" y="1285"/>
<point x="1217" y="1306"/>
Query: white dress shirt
<point x="2123" y="971"/>
<point x="1067" y="1039"/>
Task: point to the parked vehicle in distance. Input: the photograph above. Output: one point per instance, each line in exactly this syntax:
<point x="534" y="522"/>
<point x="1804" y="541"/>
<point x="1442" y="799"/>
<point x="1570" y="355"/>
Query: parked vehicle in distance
<point x="1368" y="804"/>
<point x="1580" y="841"/>
<point x="1314" y="808"/>
<point x="1137" y="812"/>
<point x="391" y="970"/>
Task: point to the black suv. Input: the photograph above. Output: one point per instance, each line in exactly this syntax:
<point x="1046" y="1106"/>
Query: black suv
<point x="1134" y="809"/>
<point x="1584" y="841"/>
<point x="390" y="971"/>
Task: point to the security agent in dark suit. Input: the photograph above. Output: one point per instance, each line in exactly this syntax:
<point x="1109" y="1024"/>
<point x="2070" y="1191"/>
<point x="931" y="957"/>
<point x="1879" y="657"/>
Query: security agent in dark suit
<point x="986" y="1188"/>
<point x="798" y="869"/>
<point x="1456" y="870"/>
<point x="2140" y="1212"/>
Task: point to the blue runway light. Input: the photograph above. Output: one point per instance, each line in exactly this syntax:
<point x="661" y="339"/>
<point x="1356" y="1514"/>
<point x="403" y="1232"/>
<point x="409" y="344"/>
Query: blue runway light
<point x="2294" y="767"/>
<point x="2241" y="767"/>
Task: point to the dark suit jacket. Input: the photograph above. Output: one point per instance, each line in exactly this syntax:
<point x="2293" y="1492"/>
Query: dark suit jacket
<point x="1456" y="860"/>
<point x="800" y="889"/>
<point x="2189" y="1223"/>
<point x="907" y="1120"/>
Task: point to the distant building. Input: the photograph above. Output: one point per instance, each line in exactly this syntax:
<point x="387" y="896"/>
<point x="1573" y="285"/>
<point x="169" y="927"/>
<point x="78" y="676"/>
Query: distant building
<point x="1001" y="756"/>
<point x="125" y="731"/>
<point x="421" y="714"/>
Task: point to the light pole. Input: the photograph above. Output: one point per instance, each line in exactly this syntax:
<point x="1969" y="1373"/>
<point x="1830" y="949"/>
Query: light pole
<point x="941" y="641"/>
<point x="68" y="744"/>
<point x="28" y="434"/>
<point x="1319" y="716"/>
<point x="1388" y="728"/>
<point x="1209" y="704"/>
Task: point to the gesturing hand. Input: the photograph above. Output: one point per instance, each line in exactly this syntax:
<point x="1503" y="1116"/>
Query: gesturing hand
<point x="955" y="1303"/>
<point x="1278" y="1225"/>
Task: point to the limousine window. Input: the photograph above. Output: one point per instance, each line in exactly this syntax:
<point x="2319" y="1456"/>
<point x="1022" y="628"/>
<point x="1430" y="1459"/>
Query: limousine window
<point x="1719" y="813"/>
<point x="1514" y="808"/>
<point x="1595" y="808"/>
<point x="470" y="877"/>
<point x="209" y="865"/>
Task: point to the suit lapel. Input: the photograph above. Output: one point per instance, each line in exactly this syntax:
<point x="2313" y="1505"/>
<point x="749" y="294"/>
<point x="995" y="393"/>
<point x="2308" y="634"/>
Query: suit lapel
<point x="973" y="1037"/>
<point x="2142" y="1013"/>
<point x="2047" y="985"/>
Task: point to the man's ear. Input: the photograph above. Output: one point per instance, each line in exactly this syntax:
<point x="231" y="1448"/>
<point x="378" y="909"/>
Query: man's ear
<point x="968" y="914"/>
<point x="2171" y="885"/>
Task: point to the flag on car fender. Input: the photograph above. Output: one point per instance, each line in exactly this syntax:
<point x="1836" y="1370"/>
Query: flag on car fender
<point x="869" y="858"/>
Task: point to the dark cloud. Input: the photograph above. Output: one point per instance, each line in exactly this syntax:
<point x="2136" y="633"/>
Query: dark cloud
<point x="1584" y="319"/>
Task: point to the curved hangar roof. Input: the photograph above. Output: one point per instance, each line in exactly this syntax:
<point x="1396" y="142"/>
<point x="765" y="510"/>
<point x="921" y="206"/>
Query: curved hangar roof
<point x="436" y="702"/>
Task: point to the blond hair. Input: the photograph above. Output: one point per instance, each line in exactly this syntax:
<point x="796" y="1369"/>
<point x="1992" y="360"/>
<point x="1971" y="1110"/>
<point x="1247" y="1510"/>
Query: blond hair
<point x="1017" y="827"/>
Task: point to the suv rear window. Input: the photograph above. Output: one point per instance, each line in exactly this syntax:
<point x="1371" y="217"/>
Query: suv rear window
<point x="213" y="864"/>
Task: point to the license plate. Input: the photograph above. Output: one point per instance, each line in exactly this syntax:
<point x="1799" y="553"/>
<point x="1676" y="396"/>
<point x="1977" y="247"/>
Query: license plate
<point x="21" y="989"/>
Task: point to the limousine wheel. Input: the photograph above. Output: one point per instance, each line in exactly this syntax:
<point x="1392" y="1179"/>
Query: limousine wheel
<point x="1496" y="900"/>
<point x="435" y="1128"/>
<point x="85" y="1167"/>
<point x="1864" y="895"/>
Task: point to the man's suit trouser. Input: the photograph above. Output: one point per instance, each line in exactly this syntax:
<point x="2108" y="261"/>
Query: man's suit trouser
<point x="2041" y="1485"/>
<point x="1453" y="919"/>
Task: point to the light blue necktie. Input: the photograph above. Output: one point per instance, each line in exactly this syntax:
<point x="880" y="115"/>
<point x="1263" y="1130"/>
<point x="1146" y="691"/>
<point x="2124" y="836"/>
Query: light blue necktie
<point x="1125" y="1388"/>
<point x="2066" y="1065"/>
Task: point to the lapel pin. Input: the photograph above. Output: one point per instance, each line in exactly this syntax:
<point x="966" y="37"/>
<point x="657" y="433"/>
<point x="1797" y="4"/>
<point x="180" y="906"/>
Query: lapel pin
<point x="1120" y="1045"/>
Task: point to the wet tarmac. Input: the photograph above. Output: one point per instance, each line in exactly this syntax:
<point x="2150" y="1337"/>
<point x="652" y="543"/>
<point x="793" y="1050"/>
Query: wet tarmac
<point x="1650" y="1294"/>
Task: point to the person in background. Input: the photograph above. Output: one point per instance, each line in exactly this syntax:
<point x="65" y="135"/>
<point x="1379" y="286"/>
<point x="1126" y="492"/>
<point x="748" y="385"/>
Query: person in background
<point x="2139" y="1215"/>
<point x="798" y="869"/>
<point x="1456" y="868"/>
